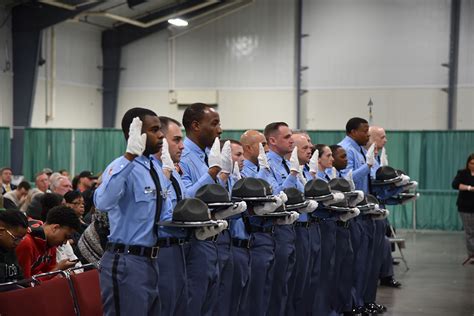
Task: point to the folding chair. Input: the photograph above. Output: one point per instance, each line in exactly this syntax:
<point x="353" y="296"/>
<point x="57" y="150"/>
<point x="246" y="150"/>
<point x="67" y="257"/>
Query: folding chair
<point x="86" y="291"/>
<point x="400" y="244"/>
<point x="47" y="298"/>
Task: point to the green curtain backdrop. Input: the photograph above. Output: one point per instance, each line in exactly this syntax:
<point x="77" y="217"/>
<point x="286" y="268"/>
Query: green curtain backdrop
<point x="4" y="147"/>
<point x="46" y="148"/>
<point x="430" y="157"/>
<point x="95" y="149"/>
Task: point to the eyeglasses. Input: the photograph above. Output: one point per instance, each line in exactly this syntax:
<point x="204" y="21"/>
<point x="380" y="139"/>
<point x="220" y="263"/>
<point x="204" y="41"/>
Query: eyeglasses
<point x="16" y="239"/>
<point x="78" y="203"/>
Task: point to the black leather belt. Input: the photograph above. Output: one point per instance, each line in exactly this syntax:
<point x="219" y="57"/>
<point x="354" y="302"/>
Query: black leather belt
<point x="150" y="252"/>
<point x="258" y="229"/>
<point x="242" y="243"/>
<point x="343" y="224"/>
<point x="303" y="224"/>
<point x="170" y="241"/>
<point x="314" y="219"/>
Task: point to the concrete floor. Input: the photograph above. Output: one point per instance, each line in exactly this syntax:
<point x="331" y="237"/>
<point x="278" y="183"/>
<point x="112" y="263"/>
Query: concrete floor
<point x="436" y="283"/>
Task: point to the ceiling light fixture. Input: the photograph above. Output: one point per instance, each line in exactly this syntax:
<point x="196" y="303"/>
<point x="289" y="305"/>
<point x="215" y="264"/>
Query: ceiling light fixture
<point x="178" y="22"/>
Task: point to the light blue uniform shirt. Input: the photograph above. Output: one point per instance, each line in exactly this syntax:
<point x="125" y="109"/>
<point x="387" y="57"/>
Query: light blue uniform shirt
<point x="128" y="194"/>
<point x="250" y="170"/>
<point x="280" y="179"/>
<point x="194" y="168"/>
<point x="163" y="231"/>
<point x="356" y="162"/>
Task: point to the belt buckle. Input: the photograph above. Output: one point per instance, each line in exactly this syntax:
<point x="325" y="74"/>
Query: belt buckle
<point x="154" y="252"/>
<point x="181" y="241"/>
<point x="248" y="243"/>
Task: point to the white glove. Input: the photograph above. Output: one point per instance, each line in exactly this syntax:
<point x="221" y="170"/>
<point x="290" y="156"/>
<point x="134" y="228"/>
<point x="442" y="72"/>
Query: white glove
<point x="349" y="178"/>
<point x="313" y="162"/>
<point x="236" y="172"/>
<point x="283" y="196"/>
<point x="337" y="197"/>
<point x="288" y="220"/>
<point x="226" y="156"/>
<point x="166" y="157"/>
<point x="301" y="176"/>
<point x="356" y="199"/>
<point x="347" y="216"/>
<point x="136" y="142"/>
<point x="310" y="208"/>
<point x="370" y="156"/>
<point x="262" y="157"/>
<point x="382" y="215"/>
<point x="383" y="158"/>
<point x="231" y="210"/>
<point x="268" y="207"/>
<point x="333" y="173"/>
<point x="203" y="233"/>
<point x="405" y="180"/>
<point x="294" y="162"/>
<point x="215" y="159"/>
<point x="413" y="185"/>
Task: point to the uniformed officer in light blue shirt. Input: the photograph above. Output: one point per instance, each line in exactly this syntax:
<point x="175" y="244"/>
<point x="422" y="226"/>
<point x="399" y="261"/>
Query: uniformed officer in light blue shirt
<point x="132" y="193"/>
<point x="202" y="125"/>
<point x="362" y="227"/>
<point x="278" y="136"/>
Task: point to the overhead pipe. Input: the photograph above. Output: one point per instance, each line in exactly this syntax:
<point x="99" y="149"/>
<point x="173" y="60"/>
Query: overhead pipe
<point x="67" y="6"/>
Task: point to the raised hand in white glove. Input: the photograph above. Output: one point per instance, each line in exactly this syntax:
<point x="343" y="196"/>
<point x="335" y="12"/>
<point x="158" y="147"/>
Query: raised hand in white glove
<point x="262" y="157"/>
<point x="405" y="180"/>
<point x="203" y="233"/>
<point x="347" y="216"/>
<point x="354" y="200"/>
<point x="235" y="209"/>
<point x="383" y="158"/>
<point x="282" y="195"/>
<point x="136" y="142"/>
<point x="301" y="176"/>
<point x="313" y="162"/>
<point x="166" y="157"/>
<point x="370" y="156"/>
<point x="226" y="158"/>
<point x="337" y="197"/>
<point x="349" y="178"/>
<point x="382" y="215"/>
<point x="236" y="172"/>
<point x="294" y="162"/>
<point x="268" y="207"/>
<point x="333" y="173"/>
<point x="215" y="159"/>
<point x="288" y="220"/>
<point x="310" y="208"/>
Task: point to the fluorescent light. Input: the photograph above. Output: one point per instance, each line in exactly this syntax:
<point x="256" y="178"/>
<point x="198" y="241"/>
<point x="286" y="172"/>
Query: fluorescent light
<point x="178" y="22"/>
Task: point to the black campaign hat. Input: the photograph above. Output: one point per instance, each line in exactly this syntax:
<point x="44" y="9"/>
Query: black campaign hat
<point x="295" y="200"/>
<point x="267" y="186"/>
<point x="190" y="213"/>
<point x="368" y="203"/>
<point x="214" y="195"/>
<point x="386" y="175"/>
<point x="250" y="190"/>
<point x="318" y="190"/>
<point x="341" y="185"/>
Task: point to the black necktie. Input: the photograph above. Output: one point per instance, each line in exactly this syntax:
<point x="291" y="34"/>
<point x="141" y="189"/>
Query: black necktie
<point x="206" y="160"/>
<point x="306" y="167"/>
<point x="176" y="188"/>
<point x="285" y="165"/>
<point x="258" y="167"/>
<point x="368" y="176"/>
<point x="327" y="177"/>
<point x="159" y="197"/>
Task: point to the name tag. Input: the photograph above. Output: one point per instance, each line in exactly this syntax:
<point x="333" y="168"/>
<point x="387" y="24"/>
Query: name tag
<point x="149" y="190"/>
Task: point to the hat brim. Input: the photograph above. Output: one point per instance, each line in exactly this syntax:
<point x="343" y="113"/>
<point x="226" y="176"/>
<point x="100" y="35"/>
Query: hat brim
<point x="321" y="198"/>
<point x="389" y="181"/>
<point x="254" y="199"/>
<point x="350" y="193"/>
<point x="188" y="224"/>
<point x="338" y="209"/>
<point x="219" y="204"/>
<point x="276" y="214"/>
<point x="296" y="206"/>
<point x="408" y="195"/>
<point x="366" y="207"/>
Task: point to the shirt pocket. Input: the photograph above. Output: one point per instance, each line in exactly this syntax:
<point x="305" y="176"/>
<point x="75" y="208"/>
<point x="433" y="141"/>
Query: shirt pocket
<point x="145" y="198"/>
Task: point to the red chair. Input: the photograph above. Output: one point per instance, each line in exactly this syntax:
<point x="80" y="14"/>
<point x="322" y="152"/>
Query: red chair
<point x="87" y="292"/>
<point x="51" y="297"/>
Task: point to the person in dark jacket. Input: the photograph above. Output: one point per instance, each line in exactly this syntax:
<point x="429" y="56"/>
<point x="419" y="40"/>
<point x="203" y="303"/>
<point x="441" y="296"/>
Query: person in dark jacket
<point x="464" y="182"/>
<point x="13" y="226"/>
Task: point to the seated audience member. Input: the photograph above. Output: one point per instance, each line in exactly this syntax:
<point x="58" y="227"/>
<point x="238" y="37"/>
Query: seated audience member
<point x="86" y="181"/>
<point x="60" y="185"/>
<point x="13" y="227"/>
<point x="93" y="241"/>
<point x="64" y="172"/>
<point x="16" y="198"/>
<point x="48" y="201"/>
<point x="37" y="252"/>
<point x="6" y="175"/>
<point x="75" y="201"/>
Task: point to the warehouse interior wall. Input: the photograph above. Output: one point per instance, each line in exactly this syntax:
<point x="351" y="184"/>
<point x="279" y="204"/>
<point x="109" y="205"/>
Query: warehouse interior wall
<point x="390" y="51"/>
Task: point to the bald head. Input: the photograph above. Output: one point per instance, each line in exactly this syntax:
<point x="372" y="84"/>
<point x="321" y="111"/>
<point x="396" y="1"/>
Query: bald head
<point x="250" y="140"/>
<point x="304" y="147"/>
<point x="377" y="136"/>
